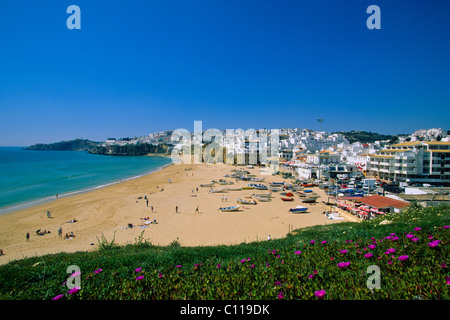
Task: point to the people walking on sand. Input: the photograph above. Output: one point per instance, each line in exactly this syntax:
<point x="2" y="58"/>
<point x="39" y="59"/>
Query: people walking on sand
<point x="176" y="209"/>
<point x="151" y="207"/>
<point x="28" y="236"/>
<point x="146" y="200"/>
<point x="60" y="232"/>
<point x="196" y="210"/>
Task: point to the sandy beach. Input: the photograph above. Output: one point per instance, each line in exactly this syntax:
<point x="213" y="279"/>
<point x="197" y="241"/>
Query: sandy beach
<point x="109" y="210"/>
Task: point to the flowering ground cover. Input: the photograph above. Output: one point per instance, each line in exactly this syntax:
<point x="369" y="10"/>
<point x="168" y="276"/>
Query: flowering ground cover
<point x="409" y="255"/>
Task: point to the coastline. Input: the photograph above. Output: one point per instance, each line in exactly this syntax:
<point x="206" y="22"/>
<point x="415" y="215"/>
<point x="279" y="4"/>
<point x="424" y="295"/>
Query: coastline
<point x="25" y="205"/>
<point x="107" y="211"/>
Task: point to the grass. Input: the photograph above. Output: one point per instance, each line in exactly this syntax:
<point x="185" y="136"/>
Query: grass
<point x="288" y="268"/>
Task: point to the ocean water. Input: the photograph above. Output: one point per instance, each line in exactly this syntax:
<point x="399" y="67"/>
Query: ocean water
<point x="30" y="177"/>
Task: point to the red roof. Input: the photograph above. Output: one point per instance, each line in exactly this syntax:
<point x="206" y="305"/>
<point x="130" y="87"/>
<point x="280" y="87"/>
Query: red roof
<point x="378" y="201"/>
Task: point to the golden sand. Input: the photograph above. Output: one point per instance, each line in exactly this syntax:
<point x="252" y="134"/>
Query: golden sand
<point x="109" y="210"/>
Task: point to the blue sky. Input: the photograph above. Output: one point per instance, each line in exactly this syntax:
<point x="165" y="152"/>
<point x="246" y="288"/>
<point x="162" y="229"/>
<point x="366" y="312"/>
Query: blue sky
<point x="137" y="67"/>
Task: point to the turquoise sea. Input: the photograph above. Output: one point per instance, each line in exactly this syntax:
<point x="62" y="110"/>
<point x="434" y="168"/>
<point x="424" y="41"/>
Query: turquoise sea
<point x="30" y="177"/>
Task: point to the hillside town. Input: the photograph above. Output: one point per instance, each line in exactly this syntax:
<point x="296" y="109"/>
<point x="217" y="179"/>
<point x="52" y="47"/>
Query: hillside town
<point x="414" y="167"/>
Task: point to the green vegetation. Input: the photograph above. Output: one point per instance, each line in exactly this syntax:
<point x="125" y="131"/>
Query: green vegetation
<point x="332" y="260"/>
<point x="71" y="145"/>
<point x="140" y="149"/>
<point x="368" y="137"/>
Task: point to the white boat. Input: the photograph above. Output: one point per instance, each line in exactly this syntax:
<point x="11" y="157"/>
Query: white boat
<point x="218" y="190"/>
<point x="235" y="189"/>
<point x="228" y="209"/>
<point x="309" y="200"/>
<point x="258" y="179"/>
<point x="265" y="195"/>
<point x="243" y="201"/>
<point x="276" y="187"/>
<point x="258" y="186"/>
<point x="262" y="199"/>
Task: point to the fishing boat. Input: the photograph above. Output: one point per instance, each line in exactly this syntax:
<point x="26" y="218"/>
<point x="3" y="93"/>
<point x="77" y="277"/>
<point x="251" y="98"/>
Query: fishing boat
<point x="218" y="190"/>
<point x="258" y="179"/>
<point x="287" y="199"/>
<point x="258" y="186"/>
<point x="265" y="195"/>
<point x="207" y="185"/>
<point x="228" y="209"/>
<point x="224" y="182"/>
<point x="298" y="209"/>
<point x="235" y="189"/>
<point x="262" y="199"/>
<point x="309" y="200"/>
<point x="287" y="194"/>
<point x="276" y="187"/>
<point x="246" y="188"/>
<point x="243" y="201"/>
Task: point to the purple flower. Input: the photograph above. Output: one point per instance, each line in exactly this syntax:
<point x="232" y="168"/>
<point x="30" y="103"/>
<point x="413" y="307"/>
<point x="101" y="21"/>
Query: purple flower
<point x="433" y="244"/>
<point x="98" y="271"/>
<point x="277" y="283"/>
<point x="324" y="241"/>
<point x="243" y="260"/>
<point x="395" y="238"/>
<point x="178" y="266"/>
<point x="443" y="265"/>
<point x="446" y="227"/>
<point x="343" y="264"/>
<point x="312" y="242"/>
<point x="447" y="280"/>
<point x="252" y="266"/>
<point x="415" y="239"/>
<point x="59" y="296"/>
<point x="74" y="290"/>
<point x="137" y="269"/>
<point x="320" y="294"/>
<point x="410" y="236"/>
<point x="310" y="276"/>
<point x="75" y="274"/>
<point x="218" y="266"/>
<point x="343" y="251"/>
<point x="391" y="250"/>
<point x="403" y="258"/>
<point x="417" y="228"/>
<point x="372" y="246"/>
<point x="298" y="252"/>
<point x="368" y="255"/>
<point x="160" y="275"/>
<point x="280" y="295"/>
<point x="139" y="278"/>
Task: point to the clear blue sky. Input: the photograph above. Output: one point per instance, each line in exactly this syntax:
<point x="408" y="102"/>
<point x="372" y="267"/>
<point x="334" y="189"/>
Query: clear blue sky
<point x="137" y="67"/>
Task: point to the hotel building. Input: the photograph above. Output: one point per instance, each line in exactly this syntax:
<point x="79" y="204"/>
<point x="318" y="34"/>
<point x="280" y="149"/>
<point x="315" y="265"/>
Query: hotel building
<point x="413" y="162"/>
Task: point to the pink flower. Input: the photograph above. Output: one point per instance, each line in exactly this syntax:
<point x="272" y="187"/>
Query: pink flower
<point x="277" y="283"/>
<point x="446" y="227"/>
<point x="403" y="258"/>
<point x="312" y="242"/>
<point x="160" y="275"/>
<point x="447" y="280"/>
<point x="75" y="274"/>
<point x="324" y="241"/>
<point x="331" y="258"/>
<point x="310" y="276"/>
<point x="298" y="252"/>
<point x="280" y="295"/>
<point x="433" y="244"/>
<point x="137" y="269"/>
<point x="74" y="290"/>
<point x="391" y="250"/>
<point x="443" y="265"/>
<point x="410" y="236"/>
<point x="417" y="228"/>
<point x="178" y="266"/>
<point x="343" y="251"/>
<point x="372" y="246"/>
<point x="243" y="260"/>
<point x="59" y="296"/>
<point x="218" y="266"/>
<point x="415" y="239"/>
<point x="343" y="264"/>
<point x="139" y="278"/>
<point x="320" y="294"/>
<point x="98" y="271"/>
<point x="368" y="255"/>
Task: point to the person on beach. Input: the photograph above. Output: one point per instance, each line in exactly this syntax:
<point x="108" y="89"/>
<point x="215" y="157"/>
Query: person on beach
<point x="176" y="209"/>
<point x="196" y="210"/>
<point x="59" y="232"/>
<point x="151" y="207"/>
<point x="147" y="202"/>
<point x="28" y="236"/>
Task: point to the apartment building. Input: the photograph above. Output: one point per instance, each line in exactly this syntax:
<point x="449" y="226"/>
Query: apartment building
<point x="416" y="161"/>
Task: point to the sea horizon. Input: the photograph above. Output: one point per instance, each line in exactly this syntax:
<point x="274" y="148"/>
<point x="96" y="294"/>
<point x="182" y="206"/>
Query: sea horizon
<point x="29" y="178"/>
